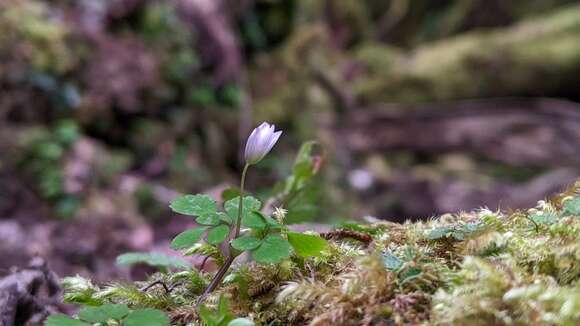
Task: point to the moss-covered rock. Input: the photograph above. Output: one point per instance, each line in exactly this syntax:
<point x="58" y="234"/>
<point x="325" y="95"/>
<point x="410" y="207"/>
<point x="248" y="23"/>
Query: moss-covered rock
<point x="481" y="267"/>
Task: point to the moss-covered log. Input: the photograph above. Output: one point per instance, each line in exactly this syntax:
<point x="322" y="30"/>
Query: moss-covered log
<point x="537" y="56"/>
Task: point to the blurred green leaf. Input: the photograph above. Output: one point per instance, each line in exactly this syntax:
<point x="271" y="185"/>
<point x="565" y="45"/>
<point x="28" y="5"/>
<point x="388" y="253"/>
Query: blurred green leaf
<point x="220" y="317"/>
<point x="439" y="233"/>
<point x="149" y="317"/>
<point x="250" y="204"/>
<point x="545" y="218"/>
<point x="230" y="193"/>
<point x="195" y="205"/>
<point x="246" y="243"/>
<point x="104" y="313"/>
<point x="392" y="262"/>
<point x="572" y="207"/>
<point x="63" y="320"/>
<point x="209" y="218"/>
<point x="254" y="220"/>
<point x="153" y="259"/>
<point x="307" y="245"/>
<point x="273" y="250"/>
<point x="187" y="238"/>
<point x="218" y="234"/>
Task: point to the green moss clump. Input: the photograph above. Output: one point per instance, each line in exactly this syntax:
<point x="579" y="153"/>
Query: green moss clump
<point x="516" y="268"/>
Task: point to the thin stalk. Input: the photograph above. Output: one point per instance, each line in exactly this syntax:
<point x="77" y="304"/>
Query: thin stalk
<point x="217" y="279"/>
<point x="241" y="205"/>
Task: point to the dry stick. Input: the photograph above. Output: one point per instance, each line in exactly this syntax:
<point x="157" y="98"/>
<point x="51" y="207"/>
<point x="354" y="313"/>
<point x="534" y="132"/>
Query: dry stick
<point x="232" y="254"/>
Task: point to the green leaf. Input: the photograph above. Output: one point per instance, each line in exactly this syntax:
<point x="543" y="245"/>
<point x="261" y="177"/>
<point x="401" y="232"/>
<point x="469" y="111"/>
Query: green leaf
<point x="273" y="224"/>
<point x="410" y="274"/>
<point x="225" y="218"/>
<point x="254" y="220"/>
<point x="218" y="234"/>
<point x="250" y="204"/>
<point x="93" y="315"/>
<point x="246" y="243"/>
<point x="220" y="317"/>
<point x="392" y="262"/>
<point x="546" y="218"/>
<point x="458" y="235"/>
<point x="63" y="320"/>
<point x="104" y="313"/>
<point x="149" y="317"/>
<point x="208" y="316"/>
<point x="153" y="259"/>
<point x="224" y="309"/>
<point x="187" y="238"/>
<point x="241" y="322"/>
<point x="273" y="249"/>
<point x="572" y="207"/>
<point x="196" y="205"/>
<point x="469" y="228"/>
<point x="305" y="152"/>
<point x="307" y="245"/>
<point x="439" y="233"/>
<point x="116" y="311"/>
<point x="211" y="218"/>
<point x="230" y="193"/>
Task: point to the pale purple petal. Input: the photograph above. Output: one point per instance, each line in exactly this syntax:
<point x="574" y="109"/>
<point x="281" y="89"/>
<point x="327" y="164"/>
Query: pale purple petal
<point x="273" y="140"/>
<point x="260" y="142"/>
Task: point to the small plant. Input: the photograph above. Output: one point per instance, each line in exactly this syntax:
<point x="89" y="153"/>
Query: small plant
<point x="222" y="316"/>
<point x="266" y="238"/>
<point x="111" y="314"/>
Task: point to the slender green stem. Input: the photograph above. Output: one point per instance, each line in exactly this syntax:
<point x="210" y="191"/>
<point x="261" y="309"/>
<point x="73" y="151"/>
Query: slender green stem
<point x="241" y="205"/>
<point x="232" y="254"/>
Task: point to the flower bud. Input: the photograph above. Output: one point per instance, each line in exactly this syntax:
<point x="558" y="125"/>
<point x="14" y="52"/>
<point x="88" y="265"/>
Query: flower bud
<point x="260" y="142"/>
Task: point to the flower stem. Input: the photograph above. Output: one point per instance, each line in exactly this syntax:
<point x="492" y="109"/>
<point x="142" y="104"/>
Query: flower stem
<point x="241" y="205"/>
<point x="232" y="254"/>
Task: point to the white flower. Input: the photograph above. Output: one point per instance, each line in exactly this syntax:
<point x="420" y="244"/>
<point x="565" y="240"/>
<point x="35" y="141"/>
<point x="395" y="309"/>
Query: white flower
<point x="260" y="142"/>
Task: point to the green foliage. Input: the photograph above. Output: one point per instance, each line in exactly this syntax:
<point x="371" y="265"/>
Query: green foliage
<point x="392" y="262"/>
<point x="154" y="259"/>
<point x="254" y="220"/>
<point x="205" y="208"/>
<point x="41" y="156"/>
<point x="187" y="238"/>
<point x="306" y="245"/>
<point x="273" y="249"/>
<point x="299" y="193"/>
<point x="104" y="313"/>
<point x="265" y="242"/>
<point x="401" y="278"/>
<point x="198" y="205"/>
<point x="150" y="317"/>
<point x="246" y="243"/>
<point x="546" y="218"/>
<point x="457" y="232"/>
<point x="63" y="320"/>
<point x="111" y="313"/>
<point x="572" y="207"/>
<point x="222" y="316"/>
<point x="218" y="234"/>
<point x="250" y="204"/>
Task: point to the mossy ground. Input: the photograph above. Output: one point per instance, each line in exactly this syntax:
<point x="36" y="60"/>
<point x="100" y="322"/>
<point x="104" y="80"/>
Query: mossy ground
<point x="482" y="268"/>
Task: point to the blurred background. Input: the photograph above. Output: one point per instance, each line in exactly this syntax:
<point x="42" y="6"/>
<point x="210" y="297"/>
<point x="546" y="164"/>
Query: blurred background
<point x="111" y="108"/>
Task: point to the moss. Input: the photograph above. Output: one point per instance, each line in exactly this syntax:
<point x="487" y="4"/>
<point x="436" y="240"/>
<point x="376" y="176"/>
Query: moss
<point x="496" y="62"/>
<point x="504" y="268"/>
<point x="28" y="27"/>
